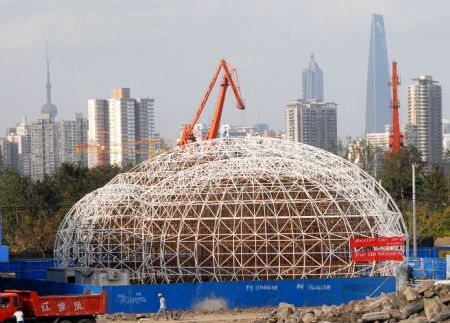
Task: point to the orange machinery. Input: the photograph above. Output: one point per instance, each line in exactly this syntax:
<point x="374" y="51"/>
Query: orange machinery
<point x="396" y="139"/>
<point x="103" y="149"/>
<point x="187" y="135"/>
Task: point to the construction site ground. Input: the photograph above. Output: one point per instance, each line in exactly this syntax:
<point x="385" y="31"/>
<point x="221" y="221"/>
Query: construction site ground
<point x="419" y="303"/>
<point x="236" y="315"/>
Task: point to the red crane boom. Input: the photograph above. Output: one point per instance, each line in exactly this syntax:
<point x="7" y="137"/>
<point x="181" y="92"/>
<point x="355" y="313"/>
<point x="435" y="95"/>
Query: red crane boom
<point x="396" y="139"/>
<point x="227" y="80"/>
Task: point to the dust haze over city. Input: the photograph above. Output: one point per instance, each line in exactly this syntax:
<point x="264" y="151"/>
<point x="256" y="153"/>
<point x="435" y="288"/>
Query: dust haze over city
<point x="168" y="50"/>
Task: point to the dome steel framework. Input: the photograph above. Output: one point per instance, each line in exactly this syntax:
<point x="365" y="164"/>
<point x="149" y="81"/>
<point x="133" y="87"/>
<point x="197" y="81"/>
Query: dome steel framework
<point x="231" y="209"/>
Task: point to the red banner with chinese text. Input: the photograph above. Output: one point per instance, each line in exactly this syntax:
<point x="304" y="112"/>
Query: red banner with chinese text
<point x="376" y="242"/>
<point x="377" y="255"/>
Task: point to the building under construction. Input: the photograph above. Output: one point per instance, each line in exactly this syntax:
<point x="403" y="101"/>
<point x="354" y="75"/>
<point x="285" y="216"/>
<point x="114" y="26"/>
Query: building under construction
<point x="229" y="210"/>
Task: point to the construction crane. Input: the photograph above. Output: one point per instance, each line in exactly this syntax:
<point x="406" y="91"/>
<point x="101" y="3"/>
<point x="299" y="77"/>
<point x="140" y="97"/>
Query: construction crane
<point x="103" y="149"/>
<point x="396" y="139"/>
<point x="228" y="79"/>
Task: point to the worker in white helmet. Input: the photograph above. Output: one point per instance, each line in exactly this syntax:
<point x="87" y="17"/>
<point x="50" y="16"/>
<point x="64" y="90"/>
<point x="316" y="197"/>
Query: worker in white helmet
<point x="162" y="306"/>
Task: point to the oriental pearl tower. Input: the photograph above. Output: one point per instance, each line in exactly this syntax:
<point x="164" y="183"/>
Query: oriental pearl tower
<point x="49" y="107"/>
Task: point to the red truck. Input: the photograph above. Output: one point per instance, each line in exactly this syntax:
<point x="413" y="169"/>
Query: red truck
<point x="61" y="309"/>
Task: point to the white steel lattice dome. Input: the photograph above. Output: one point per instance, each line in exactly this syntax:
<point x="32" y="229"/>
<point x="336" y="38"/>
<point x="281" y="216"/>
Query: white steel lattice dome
<point x="231" y="209"/>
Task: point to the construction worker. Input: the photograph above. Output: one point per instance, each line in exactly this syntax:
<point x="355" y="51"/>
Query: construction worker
<point x="162" y="306"/>
<point x="410" y="274"/>
<point x="19" y="315"/>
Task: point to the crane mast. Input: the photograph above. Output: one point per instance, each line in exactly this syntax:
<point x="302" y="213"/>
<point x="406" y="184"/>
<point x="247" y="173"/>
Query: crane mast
<point x="227" y="80"/>
<point x="396" y="139"/>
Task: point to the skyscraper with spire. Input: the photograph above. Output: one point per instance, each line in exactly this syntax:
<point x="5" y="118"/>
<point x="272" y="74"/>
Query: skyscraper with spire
<point x="378" y="97"/>
<point x="312" y="81"/>
<point x="311" y="120"/>
<point x="55" y="142"/>
<point x="49" y="107"/>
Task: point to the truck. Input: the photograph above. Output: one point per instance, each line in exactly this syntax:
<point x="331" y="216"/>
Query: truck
<point x="57" y="309"/>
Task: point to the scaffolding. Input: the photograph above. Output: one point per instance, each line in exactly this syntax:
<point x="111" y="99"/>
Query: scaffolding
<point x="228" y="210"/>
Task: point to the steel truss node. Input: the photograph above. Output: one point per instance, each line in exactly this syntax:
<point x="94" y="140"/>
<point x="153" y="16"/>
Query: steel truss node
<point x="231" y="209"/>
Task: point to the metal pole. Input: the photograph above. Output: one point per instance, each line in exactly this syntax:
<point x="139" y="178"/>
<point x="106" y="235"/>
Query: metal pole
<point x="414" y="210"/>
<point x="1" y="216"/>
<point x="1" y="223"/>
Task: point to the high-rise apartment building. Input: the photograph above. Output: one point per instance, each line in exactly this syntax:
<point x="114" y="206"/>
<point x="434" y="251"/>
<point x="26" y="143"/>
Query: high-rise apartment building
<point x="379" y="139"/>
<point x="424" y="128"/>
<point x="123" y="127"/>
<point x="312" y="122"/>
<point x="378" y="112"/>
<point x="312" y="81"/>
<point x="23" y="139"/>
<point x="446" y="144"/>
<point x="73" y="135"/>
<point x="145" y="128"/>
<point x="45" y="147"/>
<point x="445" y="135"/>
<point x="16" y="148"/>
<point x="445" y="126"/>
<point x="9" y="156"/>
<point x="378" y="143"/>
<point x="56" y="142"/>
<point x="98" y="133"/>
<point x="122" y="131"/>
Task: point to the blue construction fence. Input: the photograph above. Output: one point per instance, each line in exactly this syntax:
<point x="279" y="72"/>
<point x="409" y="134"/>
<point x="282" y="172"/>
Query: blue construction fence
<point x="44" y="287"/>
<point x="429" y="268"/>
<point x="143" y="298"/>
<point x="28" y="268"/>
<point x="430" y="252"/>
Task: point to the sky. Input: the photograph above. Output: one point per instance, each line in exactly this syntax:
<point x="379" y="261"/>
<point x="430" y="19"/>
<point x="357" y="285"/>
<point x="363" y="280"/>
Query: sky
<point x="168" y="50"/>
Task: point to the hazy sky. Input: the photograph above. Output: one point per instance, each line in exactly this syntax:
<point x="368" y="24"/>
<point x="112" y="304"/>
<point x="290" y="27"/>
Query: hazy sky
<point x="168" y="50"/>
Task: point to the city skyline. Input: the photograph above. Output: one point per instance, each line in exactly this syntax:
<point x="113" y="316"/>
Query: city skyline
<point x="87" y="65"/>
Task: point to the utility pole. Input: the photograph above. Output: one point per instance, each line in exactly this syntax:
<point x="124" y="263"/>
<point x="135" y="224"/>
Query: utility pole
<point x="1" y="201"/>
<point x="414" y="210"/>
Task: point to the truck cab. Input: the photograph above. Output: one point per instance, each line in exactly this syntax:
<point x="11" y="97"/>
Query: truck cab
<point x="9" y="303"/>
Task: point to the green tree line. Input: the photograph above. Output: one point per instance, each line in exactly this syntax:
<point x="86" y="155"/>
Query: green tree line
<point x="394" y="172"/>
<point x="432" y="192"/>
<point x="33" y="210"/>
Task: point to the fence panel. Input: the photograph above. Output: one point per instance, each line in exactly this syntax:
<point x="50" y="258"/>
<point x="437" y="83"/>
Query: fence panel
<point x="310" y="292"/>
<point x="28" y="268"/>
<point x="428" y="268"/>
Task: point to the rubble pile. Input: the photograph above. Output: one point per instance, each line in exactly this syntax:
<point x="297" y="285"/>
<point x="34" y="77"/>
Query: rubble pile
<point x="427" y="302"/>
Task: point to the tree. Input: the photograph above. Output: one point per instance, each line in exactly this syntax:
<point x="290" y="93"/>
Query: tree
<point x="33" y="210"/>
<point x="363" y="155"/>
<point x="435" y="184"/>
<point x="396" y="174"/>
<point x="342" y="147"/>
<point x="433" y="212"/>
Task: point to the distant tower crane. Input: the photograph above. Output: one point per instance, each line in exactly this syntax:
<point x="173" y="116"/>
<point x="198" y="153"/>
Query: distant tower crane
<point x="396" y="139"/>
<point x="104" y="149"/>
<point x="187" y="135"/>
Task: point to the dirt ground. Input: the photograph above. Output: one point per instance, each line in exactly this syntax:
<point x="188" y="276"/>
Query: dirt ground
<point x="242" y="316"/>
